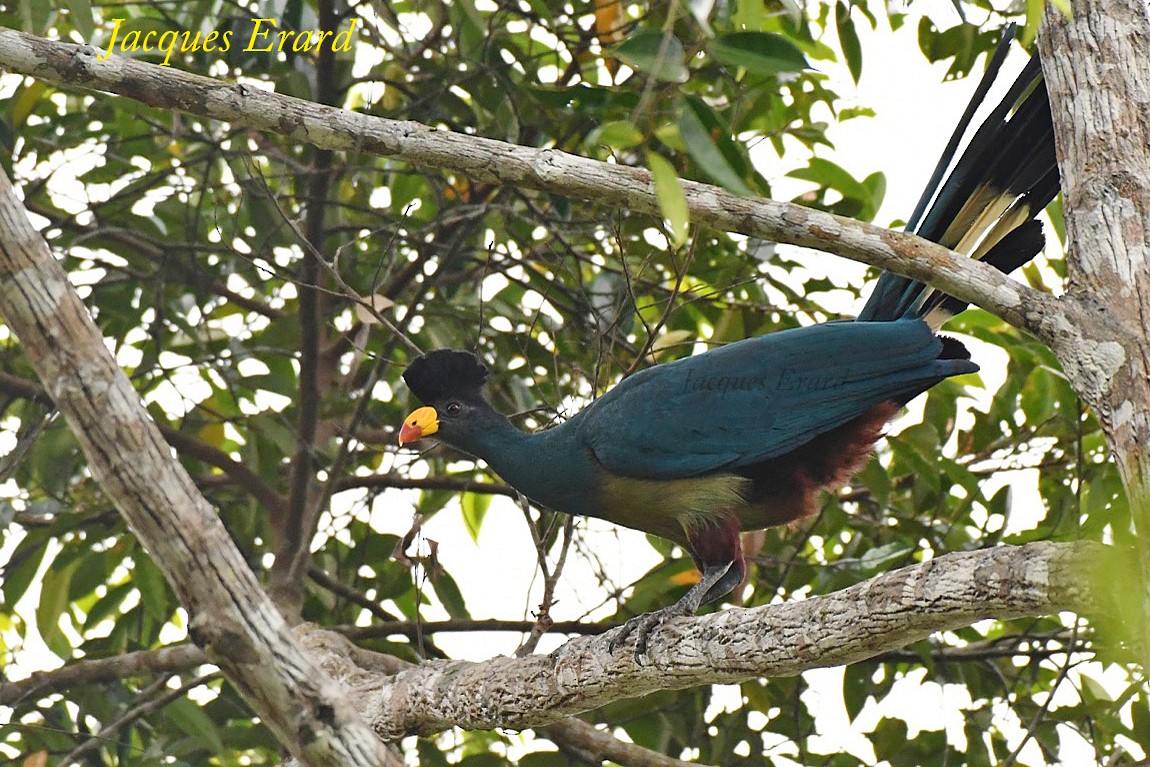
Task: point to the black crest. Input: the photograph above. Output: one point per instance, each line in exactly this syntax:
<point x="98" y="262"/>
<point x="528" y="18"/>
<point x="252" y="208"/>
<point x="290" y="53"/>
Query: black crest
<point x="445" y="372"/>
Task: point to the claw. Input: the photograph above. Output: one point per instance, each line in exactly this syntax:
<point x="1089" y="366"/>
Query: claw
<point x="644" y="625"/>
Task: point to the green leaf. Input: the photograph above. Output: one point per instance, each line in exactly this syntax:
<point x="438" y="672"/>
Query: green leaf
<point x="850" y="113"/>
<point x="672" y="199"/>
<point x="705" y="138"/>
<point x="16" y="575"/>
<point x="153" y="589"/>
<point x="430" y="754"/>
<point x="656" y="54"/>
<point x="1095" y="690"/>
<point x="860" y="199"/>
<point x="875" y="185"/>
<point x="53" y="602"/>
<point x="874" y="559"/>
<point x="828" y="174"/>
<point x="190" y="718"/>
<point x="913" y="461"/>
<point x="764" y="53"/>
<point x="749" y="14"/>
<point x="474" y="507"/>
<point x="617" y="134"/>
<point x="888" y="737"/>
<point x="107" y="605"/>
<point x="964" y="43"/>
<point x="484" y="760"/>
<point x="470" y="27"/>
<point x="544" y="759"/>
<point x="25" y="101"/>
<point x="1140" y="715"/>
<point x="80" y="11"/>
<point x="448" y="592"/>
<point x="849" y="39"/>
<point x="1034" y="11"/>
<point x="856" y="688"/>
<point x="35" y="15"/>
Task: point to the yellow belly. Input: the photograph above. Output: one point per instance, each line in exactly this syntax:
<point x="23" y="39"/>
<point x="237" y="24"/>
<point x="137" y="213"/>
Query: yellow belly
<point x="666" y="507"/>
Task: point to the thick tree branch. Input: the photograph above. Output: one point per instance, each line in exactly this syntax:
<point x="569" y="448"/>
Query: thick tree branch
<point x="456" y="484"/>
<point x="186" y="445"/>
<point x="178" y="658"/>
<point x="860" y="622"/>
<point x="463" y="625"/>
<point x="231" y="618"/>
<point x="597" y="745"/>
<point x="359" y="668"/>
<point x="293" y="553"/>
<point x="1097" y="66"/>
<point x="551" y="170"/>
<point x="166" y="660"/>
<point x="1098" y="76"/>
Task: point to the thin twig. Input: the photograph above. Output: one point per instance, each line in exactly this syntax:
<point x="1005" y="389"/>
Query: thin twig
<point x="138" y="712"/>
<point x="1045" y="708"/>
<point x="543" y="622"/>
<point x="167" y="660"/>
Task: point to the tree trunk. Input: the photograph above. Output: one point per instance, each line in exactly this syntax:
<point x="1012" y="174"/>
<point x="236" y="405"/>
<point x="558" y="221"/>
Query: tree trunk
<point x="1097" y="66"/>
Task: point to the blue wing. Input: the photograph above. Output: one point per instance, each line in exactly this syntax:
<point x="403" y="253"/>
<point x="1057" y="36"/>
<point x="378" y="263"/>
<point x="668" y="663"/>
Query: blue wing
<point x="759" y="398"/>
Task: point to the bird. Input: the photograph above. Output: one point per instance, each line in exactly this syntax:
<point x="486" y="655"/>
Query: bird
<point x="748" y="435"/>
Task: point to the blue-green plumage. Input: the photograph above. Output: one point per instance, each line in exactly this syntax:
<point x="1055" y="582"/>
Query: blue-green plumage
<point x="743" y="403"/>
<point x="746" y="435"/>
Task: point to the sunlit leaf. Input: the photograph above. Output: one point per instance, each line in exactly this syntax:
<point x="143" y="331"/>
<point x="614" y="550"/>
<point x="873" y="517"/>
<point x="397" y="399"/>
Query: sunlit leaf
<point x="474" y="507"/>
<point x="763" y="53"/>
<point x="53" y="603"/>
<point x="191" y="718"/>
<point x="619" y="134"/>
<point x="704" y="137"/>
<point x="848" y="39"/>
<point x="672" y="199"/>
<point x="654" y="53"/>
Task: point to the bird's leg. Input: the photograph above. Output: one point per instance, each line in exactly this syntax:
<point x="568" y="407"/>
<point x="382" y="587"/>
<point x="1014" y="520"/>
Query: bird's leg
<point x="716" y="581"/>
<point x="717" y="550"/>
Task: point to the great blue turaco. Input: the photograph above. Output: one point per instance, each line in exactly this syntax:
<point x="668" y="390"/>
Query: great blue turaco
<point x="747" y="435"/>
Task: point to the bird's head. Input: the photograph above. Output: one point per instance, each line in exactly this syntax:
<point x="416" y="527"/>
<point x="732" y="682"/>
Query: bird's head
<point x="450" y="385"/>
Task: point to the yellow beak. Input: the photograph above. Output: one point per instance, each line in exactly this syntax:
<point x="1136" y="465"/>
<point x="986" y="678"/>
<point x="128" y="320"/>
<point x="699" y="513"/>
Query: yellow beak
<point x="421" y="423"/>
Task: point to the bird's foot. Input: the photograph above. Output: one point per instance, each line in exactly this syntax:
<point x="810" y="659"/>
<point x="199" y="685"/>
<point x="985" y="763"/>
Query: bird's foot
<point x="642" y="627"/>
<point x="715" y="581"/>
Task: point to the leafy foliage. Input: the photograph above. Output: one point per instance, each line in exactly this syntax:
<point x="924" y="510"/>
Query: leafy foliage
<point x="192" y="244"/>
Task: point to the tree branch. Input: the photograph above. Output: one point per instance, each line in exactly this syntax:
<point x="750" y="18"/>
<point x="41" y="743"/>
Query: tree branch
<point x="455" y="484"/>
<point x="860" y="622"/>
<point x="467" y="625"/>
<point x="597" y="745"/>
<point x="550" y="170"/>
<point x="165" y="660"/>
<point x="230" y="617"/>
<point x="293" y="551"/>
<point x="1097" y="64"/>
<point x="189" y="446"/>
<point x="138" y="711"/>
<point x="359" y="668"/>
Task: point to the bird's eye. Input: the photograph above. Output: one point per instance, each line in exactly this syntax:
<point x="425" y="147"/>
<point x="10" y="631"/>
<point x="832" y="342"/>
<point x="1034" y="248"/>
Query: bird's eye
<point x="453" y="408"/>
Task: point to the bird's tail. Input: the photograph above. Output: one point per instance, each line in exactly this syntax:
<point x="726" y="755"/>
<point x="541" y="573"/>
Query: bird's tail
<point x="1006" y="176"/>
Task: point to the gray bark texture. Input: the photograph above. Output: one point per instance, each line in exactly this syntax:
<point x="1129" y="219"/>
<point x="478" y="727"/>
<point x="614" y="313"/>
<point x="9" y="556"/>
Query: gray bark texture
<point x="1097" y="67"/>
<point x="1099" y="73"/>
<point x="230" y="616"/>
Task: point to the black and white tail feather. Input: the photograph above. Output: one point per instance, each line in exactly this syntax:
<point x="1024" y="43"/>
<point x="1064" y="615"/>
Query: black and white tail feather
<point x="986" y="208"/>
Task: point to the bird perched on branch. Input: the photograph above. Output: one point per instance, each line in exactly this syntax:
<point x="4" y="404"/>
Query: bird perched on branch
<point x="745" y="436"/>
